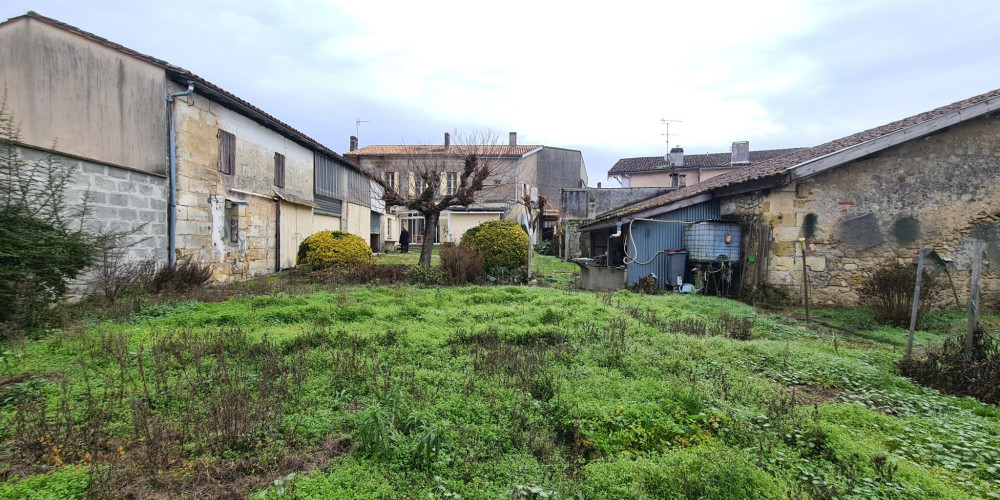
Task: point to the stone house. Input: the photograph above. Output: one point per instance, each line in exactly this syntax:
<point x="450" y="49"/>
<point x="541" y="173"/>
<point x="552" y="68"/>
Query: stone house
<point x="518" y="170"/>
<point x="679" y="170"/>
<point x="199" y="173"/>
<point x="870" y="198"/>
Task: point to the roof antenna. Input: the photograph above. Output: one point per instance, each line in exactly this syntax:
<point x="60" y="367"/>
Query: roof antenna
<point x="666" y="123"/>
<point x="357" y="126"/>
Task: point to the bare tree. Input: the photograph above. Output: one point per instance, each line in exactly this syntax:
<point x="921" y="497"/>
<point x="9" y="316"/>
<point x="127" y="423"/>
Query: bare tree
<point x="535" y="209"/>
<point x="431" y="179"/>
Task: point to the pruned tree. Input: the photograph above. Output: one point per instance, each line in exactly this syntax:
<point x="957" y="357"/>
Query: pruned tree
<point x="431" y="179"/>
<point x="535" y="209"/>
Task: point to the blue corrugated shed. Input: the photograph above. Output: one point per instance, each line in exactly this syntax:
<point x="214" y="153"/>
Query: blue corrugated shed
<point x="650" y="237"/>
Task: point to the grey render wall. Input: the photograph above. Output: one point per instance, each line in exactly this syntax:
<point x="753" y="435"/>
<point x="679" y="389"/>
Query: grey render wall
<point x="95" y="102"/>
<point x="588" y="203"/>
<point x="560" y="168"/>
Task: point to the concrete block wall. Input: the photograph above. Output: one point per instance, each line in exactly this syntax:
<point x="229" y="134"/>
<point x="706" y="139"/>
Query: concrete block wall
<point x="120" y="200"/>
<point x="942" y="191"/>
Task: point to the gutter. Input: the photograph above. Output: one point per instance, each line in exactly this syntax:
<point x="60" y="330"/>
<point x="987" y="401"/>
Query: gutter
<point x="172" y="153"/>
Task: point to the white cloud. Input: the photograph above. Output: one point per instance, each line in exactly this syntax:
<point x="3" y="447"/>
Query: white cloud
<point x="575" y="74"/>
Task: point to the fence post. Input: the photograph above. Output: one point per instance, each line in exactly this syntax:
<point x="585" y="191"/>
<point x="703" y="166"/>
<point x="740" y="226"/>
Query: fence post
<point x="916" y="302"/>
<point x="805" y="278"/>
<point x="977" y="271"/>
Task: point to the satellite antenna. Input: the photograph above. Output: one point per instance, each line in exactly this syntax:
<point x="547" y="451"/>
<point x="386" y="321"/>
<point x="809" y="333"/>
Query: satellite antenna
<point x="357" y="126"/>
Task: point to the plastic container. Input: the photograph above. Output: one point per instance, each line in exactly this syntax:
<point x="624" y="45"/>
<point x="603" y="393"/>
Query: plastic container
<point x="673" y="267"/>
<point x="712" y="242"/>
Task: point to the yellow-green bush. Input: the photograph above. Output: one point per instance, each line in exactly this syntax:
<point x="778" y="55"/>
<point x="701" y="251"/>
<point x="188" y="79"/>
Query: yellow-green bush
<point x="502" y="244"/>
<point x="334" y="249"/>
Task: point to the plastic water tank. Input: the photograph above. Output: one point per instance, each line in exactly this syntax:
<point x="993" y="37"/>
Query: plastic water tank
<point x="712" y="241"/>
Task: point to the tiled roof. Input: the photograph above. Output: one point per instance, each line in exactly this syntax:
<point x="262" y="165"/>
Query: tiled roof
<point x="707" y="160"/>
<point x="390" y="150"/>
<point x="776" y="167"/>
<point x="181" y="75"/>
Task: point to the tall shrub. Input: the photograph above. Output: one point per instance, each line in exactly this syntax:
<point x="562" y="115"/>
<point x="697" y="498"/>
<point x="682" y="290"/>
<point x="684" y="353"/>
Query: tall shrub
<point x="43" y="243"/>
<point x="502" y="244"/>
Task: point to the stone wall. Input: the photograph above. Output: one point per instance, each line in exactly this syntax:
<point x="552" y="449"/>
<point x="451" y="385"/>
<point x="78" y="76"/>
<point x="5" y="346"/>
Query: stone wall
<point x="579" y="242"/>
<point x="940" y="191"/>
<point x="208" y="201"/>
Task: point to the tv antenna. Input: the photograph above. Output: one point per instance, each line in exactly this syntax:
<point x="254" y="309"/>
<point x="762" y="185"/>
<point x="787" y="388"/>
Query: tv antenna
<point x="357" y="126"/>
<point x="666" y="123"/>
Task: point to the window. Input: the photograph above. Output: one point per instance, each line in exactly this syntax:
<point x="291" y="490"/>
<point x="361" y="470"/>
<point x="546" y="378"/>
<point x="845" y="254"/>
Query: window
<point x="279" y="170"/>
<point x="390" y="180"/>
<point x="328" y="186"/>
<point x="227" y="152"/>
<point x="677" y="180"/>
<point x="451" y="182"/>
<point x="419" y="184"/>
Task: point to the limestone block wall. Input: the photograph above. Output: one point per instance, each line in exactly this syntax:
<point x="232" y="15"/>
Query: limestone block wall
<point x="578" y="242"/>
<point x="942" y="191"/>
<point x="208" y="201"/>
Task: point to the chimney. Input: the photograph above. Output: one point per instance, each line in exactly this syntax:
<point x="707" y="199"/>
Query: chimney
<point x="513" y="138"/>
<point x="447" y="141"/>
<point x="598" y="185"/>
<point x="354" y="143"/>
<point x="741" y="153"/>
<point x="677" y="157"/>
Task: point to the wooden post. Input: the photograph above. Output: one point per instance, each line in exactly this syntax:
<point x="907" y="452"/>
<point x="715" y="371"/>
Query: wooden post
<point x="977" y="271"/>
<point x="916" y="302"/>
<point x="805" y="279"/>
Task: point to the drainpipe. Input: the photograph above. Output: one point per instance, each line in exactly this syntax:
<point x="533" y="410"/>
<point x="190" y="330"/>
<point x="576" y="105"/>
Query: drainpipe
<point x="172" y="205"/>
<point x="277" y="235"/>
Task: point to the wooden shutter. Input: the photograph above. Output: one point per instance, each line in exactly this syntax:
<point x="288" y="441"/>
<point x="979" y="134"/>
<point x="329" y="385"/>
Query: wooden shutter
<point x="227" y="153"/>
<point x="279" y="170"/>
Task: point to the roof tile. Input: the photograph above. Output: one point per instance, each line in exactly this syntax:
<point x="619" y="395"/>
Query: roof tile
<point x="707" y="160"/>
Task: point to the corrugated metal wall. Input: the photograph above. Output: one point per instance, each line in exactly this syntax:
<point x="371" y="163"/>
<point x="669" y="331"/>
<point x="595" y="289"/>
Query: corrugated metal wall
<point x="648" y="238"/>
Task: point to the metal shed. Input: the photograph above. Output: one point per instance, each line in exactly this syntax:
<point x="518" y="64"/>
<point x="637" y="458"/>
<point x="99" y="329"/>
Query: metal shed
<point x="646" y="239"/>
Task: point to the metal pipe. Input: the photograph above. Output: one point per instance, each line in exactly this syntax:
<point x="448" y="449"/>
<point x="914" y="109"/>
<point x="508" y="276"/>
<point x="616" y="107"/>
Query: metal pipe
<point x="277" y="235"/>
<point x="172" y="153"/>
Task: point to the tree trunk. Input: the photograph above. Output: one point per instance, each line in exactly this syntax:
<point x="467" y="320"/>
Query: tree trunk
<point x="430" y="229"/>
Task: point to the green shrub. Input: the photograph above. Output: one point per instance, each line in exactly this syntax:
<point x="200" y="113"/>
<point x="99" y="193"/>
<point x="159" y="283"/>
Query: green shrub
<point x="502" y="244"/>
<point x="327" y="249"/>
<point x="428" y="276"/>
<point x="43" y="243"/>
<point x="544" y="248"/>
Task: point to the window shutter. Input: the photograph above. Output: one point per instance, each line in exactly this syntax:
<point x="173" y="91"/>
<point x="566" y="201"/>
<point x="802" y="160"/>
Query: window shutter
<point x="227" y="152"/>
<point x="279" y="170"/>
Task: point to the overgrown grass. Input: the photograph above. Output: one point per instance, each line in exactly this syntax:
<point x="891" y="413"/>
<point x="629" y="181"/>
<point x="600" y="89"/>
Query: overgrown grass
<point x="484" y="392"/>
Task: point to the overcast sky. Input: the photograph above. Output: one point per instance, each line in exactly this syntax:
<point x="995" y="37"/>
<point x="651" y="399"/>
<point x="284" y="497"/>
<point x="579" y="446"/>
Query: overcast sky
<point x="597" y="77"/>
